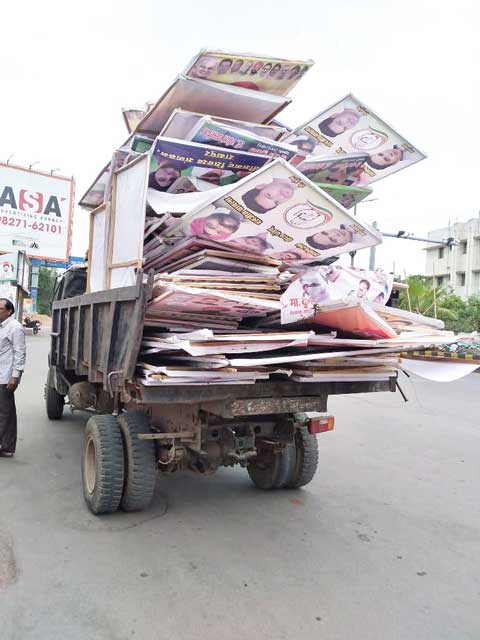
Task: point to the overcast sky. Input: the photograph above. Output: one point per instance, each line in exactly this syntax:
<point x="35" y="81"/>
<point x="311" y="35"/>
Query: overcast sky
<point x="68" y="68"/>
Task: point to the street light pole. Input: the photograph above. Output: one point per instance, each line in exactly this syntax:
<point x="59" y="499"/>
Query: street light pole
<point x="353" y="253"/>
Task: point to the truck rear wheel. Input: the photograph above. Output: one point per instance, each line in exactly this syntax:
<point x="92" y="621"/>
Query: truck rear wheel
<point x="102" y="465"/>
<point x="54" y="401"/>
<point x="140" y="462"/>
<point x="305" y="461"/>
<point x="272" y="470"/>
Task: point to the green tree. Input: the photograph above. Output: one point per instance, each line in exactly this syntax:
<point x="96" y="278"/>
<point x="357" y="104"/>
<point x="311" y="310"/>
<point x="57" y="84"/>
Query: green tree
<point x="46" y="285"/>
<point x="457" y="306"/>
<point x="469" y="317"/>
<point x="423" y="298"/>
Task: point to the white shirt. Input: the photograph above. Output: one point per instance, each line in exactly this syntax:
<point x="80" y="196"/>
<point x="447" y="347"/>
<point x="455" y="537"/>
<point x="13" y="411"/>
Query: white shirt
<point x="12" y="350"/>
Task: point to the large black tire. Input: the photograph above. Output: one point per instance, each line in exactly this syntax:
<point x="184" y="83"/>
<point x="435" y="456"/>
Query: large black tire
<point x="102" y="465"/>
<point x="140" y="462"/>
<point x="272" y="471"/>
<point x="305" y="461"/>
<point x="54" y="401"/>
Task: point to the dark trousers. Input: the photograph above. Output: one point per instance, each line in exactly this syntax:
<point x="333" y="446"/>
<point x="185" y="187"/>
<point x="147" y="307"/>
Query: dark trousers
<point x="8" y="420"/>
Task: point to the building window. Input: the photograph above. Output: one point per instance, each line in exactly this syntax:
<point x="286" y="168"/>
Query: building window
<point x="461" y="279"/>
<point x="439" y="281"/>
<point x="463" y="248"/>
<point x="440" y="253"/>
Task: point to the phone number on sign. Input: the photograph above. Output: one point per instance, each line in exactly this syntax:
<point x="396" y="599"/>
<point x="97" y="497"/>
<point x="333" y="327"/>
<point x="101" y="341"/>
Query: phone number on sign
<point x="35" y="226"/>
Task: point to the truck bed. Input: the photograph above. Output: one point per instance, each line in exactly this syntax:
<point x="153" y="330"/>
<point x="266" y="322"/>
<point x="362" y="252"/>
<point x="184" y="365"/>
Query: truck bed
<point x="97" y="337"/>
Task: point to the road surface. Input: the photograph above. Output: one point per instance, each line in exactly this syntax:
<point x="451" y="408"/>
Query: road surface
<point x="383" y="544"/>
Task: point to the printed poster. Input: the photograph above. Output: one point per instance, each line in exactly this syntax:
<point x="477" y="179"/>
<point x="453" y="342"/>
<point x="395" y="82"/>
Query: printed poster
<point x="346" y="170"/>
<point x="214" y="133"/>
<point x="349" y="126"/>
<point x="348" y="197"/>
<point x="325" y="285"/>
<point x="141" y="144"/>
<point x="172" y="159"/>
<point x="271" y="75"/>
<point x="181" y="122"/>
<point x="8" y="267"/>
<point x="277" y="212"/>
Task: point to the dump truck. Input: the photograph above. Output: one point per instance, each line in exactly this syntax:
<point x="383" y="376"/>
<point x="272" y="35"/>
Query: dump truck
<point x="135" y="431"/>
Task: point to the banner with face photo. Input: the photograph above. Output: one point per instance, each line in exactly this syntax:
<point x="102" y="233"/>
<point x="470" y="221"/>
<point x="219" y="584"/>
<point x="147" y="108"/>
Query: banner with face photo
<point x="279" y="213"/>
<point x="172" y="159"/>
<point x="324" y="285"/>
<point x="271" y="75"/>
<point x="349" y="126"/>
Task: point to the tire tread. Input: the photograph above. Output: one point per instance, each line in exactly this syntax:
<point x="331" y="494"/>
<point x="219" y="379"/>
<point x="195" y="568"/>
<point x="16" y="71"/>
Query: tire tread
<point x="110" y="465"/>
<point x="140" y="462"/>
<point x="306" y="462"/>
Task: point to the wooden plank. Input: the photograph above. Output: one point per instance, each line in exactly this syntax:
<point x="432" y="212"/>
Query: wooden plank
<point x="100" y="209"/>
<point x="111" y="229"/>
<point x="128" y="263"/>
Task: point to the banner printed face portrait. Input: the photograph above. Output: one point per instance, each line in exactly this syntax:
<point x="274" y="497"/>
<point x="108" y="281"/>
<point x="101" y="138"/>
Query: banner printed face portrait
<point x="251" y="72"/>
<point x="278" y="214"/>
<point x="349" y="127"/>
<point x="329" y="284"/>
<point x="172" y="159"/>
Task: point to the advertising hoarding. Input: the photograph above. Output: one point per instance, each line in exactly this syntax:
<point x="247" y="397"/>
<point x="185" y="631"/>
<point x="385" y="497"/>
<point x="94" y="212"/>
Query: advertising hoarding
<point x="8" y="268"/>
<point x="36" y="211"/>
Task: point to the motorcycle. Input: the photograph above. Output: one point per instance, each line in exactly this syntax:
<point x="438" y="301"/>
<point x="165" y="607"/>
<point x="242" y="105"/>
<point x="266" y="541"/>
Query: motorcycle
<point x="35" y="325"/>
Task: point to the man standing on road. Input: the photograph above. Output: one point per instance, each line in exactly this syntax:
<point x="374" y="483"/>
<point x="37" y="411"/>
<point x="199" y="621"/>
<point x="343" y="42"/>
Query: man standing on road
<point x="12" y="362"/>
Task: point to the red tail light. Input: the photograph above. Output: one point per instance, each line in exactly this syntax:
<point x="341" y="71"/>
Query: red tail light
<point x="321" y="424"/>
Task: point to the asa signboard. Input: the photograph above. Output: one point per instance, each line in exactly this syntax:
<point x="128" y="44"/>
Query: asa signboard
<point x="36" y="211"/>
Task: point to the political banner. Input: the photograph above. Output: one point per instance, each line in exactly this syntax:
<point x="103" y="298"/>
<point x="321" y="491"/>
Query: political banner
<point x="271" y="75"/>
<point x="172" y="159"/>
<point x="348" y="126"/>
<point x="277" y="212"/>
<point x="207" y="131"/>
<point x="325" y="285"/>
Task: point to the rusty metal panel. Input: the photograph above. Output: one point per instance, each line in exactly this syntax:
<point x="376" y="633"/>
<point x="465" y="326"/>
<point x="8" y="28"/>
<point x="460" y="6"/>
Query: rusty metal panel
<point x="268" y="389"/>
<point x="265" y="406"/>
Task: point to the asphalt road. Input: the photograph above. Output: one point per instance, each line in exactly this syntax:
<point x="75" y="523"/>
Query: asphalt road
<point x="383" y="544"/>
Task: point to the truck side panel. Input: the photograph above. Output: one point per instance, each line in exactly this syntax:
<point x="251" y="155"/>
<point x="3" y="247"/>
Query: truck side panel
<point x="98" y="335"/>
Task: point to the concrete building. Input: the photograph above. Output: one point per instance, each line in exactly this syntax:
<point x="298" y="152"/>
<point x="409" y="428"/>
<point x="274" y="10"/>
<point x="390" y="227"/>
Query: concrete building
<point x="456" y="266"/>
